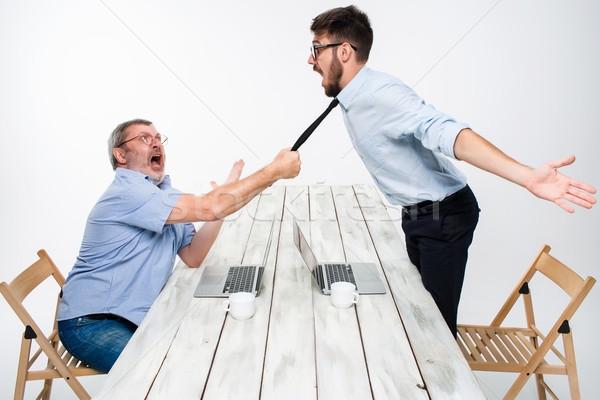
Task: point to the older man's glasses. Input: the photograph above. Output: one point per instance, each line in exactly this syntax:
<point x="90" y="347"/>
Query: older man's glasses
<point x="314" y="49"/>
<point x="148" y="139"/>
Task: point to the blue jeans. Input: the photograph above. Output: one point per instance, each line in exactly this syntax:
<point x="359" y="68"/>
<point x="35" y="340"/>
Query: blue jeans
<point x="96" y="342"/>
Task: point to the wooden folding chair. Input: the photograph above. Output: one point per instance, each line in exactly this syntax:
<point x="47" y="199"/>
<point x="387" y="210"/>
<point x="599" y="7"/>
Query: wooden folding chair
<point x="522" y="350"/>
<point x="60" y="363"/>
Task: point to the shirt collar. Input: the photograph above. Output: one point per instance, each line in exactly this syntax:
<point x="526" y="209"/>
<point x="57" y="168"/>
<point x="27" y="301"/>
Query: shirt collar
<point x="348" y="93"/>
<point x="124" y="172"/>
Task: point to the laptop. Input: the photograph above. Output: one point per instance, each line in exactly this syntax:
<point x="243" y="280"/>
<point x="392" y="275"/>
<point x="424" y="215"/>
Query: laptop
<point x="222" y="280"/>
<point x="362" y="275"/>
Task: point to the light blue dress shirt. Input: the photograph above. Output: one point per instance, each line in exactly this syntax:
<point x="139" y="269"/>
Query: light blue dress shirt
<point x="127" y="252"/>
<point x="402" y="141"/>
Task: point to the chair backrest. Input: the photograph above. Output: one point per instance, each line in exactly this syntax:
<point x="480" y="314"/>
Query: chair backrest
<point x="559" y="273"/>
<point x="564" y="277"/>
<point x="20" y="287"/>
<point x="35" y="274"/>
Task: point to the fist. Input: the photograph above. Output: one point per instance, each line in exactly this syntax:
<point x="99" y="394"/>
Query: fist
<point x="287" y="164"/>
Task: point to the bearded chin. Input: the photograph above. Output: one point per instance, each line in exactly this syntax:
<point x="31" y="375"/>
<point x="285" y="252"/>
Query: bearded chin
<point x="158" y="178"/>
<point x="335" y="75"/>
<point x="333" y="90"/>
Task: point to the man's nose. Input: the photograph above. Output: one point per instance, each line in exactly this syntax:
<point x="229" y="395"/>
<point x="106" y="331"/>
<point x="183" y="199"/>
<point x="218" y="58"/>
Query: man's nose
<point x="311" y="60"/>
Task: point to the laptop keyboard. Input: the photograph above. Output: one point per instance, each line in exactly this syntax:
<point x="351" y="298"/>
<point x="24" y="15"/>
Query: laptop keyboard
<point x="338" y="273"/>
<point x="239" y="279"/>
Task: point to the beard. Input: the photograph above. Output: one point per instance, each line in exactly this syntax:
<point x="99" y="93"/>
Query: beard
<point x="158" y="178"/>
<point x="140" y="163"/>
<point x="335" y="76"/>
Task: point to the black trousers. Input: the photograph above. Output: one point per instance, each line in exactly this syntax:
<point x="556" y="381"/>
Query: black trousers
<point x="438" y="236"/>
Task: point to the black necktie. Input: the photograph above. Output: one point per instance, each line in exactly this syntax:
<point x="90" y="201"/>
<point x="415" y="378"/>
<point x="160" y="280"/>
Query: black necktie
<point x="314" y="125"/>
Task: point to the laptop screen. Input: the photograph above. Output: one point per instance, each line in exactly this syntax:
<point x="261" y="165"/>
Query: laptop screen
<point x="305" y="251"/>
<point x="264" y="263"/>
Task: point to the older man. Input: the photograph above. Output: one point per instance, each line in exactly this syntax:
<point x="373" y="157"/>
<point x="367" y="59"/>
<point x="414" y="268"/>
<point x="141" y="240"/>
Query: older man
<point x="406" y="145"/>
<point x="133" y="234"/>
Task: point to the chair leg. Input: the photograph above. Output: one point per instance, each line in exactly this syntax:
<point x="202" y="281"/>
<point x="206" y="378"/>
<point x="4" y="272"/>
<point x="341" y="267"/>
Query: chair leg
<point x="516" y="387"/>
<point x="48" y="382"/>
<point x="22" y="368"/>
<point x="47" y="389"/>
<point x="571" y="365"/>
<point x="78" y="389"/>
<point x="539" y="378"/>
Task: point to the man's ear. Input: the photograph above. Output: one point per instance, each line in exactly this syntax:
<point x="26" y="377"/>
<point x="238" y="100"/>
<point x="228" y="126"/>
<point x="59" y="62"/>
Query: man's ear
<point x="346" y="52"/>
<point x="119" y="155"/>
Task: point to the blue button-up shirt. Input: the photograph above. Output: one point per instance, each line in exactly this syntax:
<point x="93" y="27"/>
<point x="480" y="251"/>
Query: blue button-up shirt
<point x="402" y="141"/>
<point x="127" y="252"/>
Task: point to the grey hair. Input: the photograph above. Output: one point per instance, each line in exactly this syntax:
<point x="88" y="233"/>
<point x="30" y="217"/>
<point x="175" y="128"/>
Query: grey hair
<point x="118" y="135"/>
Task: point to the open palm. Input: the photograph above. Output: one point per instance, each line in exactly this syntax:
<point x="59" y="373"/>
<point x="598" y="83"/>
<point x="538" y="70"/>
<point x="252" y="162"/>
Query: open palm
<point x="549" y="184"/>
<point x="234" y="175"/>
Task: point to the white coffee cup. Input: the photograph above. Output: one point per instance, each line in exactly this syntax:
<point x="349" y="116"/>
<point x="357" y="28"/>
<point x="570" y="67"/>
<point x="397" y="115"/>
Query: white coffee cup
<point x="240" y="305"/>
<point x="343" y="294"/>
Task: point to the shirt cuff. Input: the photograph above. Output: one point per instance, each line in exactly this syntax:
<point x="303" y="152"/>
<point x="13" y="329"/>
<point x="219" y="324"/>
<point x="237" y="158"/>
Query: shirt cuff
<point x="189" y="230"/>
<point x="169" y="198"/>
<point x="451" y="131"/>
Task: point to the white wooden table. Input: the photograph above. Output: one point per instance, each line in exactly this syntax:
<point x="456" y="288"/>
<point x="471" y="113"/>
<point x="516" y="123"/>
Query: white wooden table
<point x="297" y="345"/>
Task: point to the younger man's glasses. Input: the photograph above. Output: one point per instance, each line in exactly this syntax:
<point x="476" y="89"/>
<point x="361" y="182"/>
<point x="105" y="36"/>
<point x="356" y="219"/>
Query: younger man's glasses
<point x="314" y="49"/>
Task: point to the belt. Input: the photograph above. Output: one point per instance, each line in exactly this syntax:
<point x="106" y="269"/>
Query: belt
<point x="426" y="207"/>
<point x="101" y="317"/>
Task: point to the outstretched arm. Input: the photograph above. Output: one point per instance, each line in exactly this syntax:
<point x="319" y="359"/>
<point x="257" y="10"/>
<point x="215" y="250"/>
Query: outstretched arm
<point x="545" y="182"/>
<point x="194" y="253"/>
<point x="228" y="198"/>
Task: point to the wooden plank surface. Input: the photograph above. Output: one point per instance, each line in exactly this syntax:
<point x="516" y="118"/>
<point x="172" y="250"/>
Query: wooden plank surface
<point x="297" y="345"/>
<point x="237" y="367"/>
<point x="341" y="367"/>
<point x="443" y="367"/>
<point x="289" y="370"/>
<point x="188" y="363"/>
<point x="393" y="371"/>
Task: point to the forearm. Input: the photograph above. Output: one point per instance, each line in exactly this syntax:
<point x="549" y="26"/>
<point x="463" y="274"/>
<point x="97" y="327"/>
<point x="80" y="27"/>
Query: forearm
<point x="194" y="253"/>
<point x="472" y="148"/>
<point x="227" y="199"/>
<point x="545" y="182"/>
<point x="224" y="200"/>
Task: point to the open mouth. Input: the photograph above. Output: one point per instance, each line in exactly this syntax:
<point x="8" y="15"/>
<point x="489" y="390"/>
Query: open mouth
<point x="318" y="70"/>
<point x="156" y="161"/>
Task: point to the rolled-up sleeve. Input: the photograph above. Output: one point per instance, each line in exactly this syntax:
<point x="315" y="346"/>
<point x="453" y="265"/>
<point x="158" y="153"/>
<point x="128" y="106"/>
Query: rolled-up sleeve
<point x="147" y="207"/>
<point x="188" y="232"/>
<point x="405" y="113"/>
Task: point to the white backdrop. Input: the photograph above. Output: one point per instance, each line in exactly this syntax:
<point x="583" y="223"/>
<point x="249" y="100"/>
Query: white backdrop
<point x="230" y="80"/>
